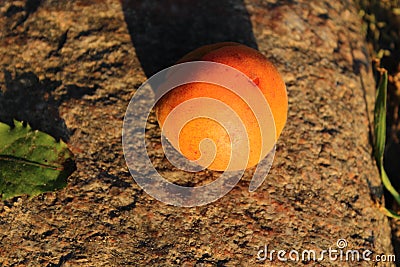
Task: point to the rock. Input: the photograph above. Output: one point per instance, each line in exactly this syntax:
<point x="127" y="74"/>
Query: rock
<point x="70" y="69"/>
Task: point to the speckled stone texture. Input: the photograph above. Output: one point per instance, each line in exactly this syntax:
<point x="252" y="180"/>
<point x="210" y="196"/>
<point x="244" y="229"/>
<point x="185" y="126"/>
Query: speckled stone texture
<point x="69" y="68"/>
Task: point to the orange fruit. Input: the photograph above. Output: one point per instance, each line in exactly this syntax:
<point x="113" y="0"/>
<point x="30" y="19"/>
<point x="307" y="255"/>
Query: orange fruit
<point x="219" y="155"/>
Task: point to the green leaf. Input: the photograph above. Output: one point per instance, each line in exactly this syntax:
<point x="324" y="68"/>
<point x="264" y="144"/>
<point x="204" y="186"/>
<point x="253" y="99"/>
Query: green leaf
<point x="31" y="162"/>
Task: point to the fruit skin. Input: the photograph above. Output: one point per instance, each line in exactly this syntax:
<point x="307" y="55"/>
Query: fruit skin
<point x="254" y="65"/>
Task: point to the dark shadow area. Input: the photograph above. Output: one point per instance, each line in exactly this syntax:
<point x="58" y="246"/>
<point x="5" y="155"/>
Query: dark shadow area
<point x="28" y="99"/>
<point x="163" y="31"/>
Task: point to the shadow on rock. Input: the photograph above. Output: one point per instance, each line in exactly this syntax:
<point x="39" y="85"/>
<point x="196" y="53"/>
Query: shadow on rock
<point x="30" y="100"/>
<point x="163" y="31"/>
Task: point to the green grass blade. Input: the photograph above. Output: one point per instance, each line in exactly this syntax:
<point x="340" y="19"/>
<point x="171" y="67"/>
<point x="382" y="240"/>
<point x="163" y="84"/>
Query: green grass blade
<point x="380" y="133"/>
<point x="380" y="119"/>
<point x="388" y="185"/>
<point x="390" y="213"/>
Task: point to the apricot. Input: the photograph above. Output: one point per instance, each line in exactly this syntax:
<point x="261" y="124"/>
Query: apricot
<point x="217" y="154"/>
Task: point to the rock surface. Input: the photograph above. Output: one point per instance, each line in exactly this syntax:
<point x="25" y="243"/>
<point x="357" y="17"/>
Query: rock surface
<point x="70" y="68"/>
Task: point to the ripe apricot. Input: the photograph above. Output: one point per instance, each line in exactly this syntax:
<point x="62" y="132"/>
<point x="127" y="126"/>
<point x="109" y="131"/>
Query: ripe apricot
<point x="259" y="70"/>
